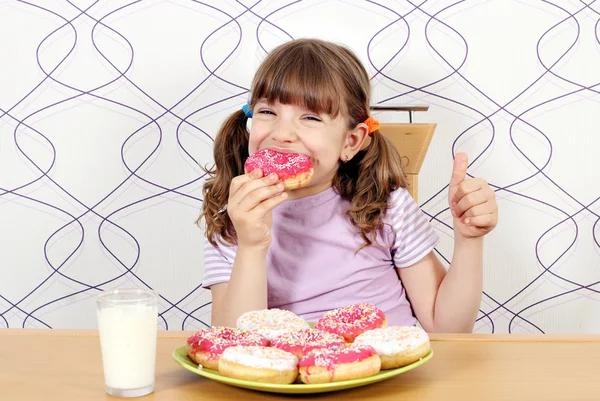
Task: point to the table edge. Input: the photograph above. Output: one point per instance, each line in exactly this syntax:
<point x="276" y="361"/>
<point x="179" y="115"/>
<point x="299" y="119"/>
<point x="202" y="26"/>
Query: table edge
<point x="436" y="337"/>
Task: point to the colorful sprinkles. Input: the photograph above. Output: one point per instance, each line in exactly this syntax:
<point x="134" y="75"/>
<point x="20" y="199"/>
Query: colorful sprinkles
<point x="215" y="340"/>
<point x="350" y="321"/>
<point x="393" y="340"/>
<point x="330" y="358"/>
<point x="261" y="357"/>
<point x="285" y="165"/>
<point x="271" y="323"/>
<point x="302" y="342"/>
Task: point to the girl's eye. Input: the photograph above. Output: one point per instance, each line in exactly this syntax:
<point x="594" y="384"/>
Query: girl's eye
<point x="313" y="118"/>
<point x="266" y="111"/>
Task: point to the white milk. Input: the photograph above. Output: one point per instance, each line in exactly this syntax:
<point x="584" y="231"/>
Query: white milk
<point x="128" y="342"/>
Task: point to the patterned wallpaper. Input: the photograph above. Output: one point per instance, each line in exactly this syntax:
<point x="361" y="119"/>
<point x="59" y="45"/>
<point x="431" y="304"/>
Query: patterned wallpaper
<point x="109" y="108"/>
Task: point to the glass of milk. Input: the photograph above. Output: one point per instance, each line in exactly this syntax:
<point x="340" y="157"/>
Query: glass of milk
<point x="128" y="326"/>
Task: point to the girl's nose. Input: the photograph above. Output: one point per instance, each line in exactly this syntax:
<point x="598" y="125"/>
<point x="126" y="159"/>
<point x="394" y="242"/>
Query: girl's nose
<point x="284" y="133"/>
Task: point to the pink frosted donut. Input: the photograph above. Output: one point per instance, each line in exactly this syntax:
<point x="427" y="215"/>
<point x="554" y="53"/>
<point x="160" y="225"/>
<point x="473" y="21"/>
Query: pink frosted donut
<point x="206" y="346"/>
<point x="304" y="341"/>
<point x="295" y="170"/>
<point x="350" y="321"/>
<point x="334" y="365"/>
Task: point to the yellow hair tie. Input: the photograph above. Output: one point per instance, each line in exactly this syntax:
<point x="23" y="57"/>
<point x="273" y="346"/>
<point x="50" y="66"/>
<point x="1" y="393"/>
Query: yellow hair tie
<point x="373" y="125"/>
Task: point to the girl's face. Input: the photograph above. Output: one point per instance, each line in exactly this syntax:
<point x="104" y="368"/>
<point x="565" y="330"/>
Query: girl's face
<point x="291" y="128"/>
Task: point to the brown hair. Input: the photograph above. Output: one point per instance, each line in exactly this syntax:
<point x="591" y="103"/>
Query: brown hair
<point x="326" y="78"/>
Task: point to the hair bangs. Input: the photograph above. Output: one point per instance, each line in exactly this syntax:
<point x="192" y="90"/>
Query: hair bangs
<point x="301" y="78"/>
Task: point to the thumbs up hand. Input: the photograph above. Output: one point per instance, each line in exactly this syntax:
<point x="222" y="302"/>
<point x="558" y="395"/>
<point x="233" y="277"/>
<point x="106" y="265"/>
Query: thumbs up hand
<point x="472" y="202"/>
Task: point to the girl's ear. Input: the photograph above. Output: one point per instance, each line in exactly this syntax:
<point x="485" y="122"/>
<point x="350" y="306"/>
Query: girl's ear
<point x="357" y="139"/>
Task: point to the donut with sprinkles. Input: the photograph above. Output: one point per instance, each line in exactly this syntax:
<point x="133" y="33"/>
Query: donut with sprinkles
<point x="334" y="365"/>
<point x="304" y="341"/>
<point x="205" y="346"/>
<point x="271" y="323"/>
<point x="295" y="170"/>
<point x="352" y="320"/>
<point x="397" y="346"/>
<point x="259" y="364"/>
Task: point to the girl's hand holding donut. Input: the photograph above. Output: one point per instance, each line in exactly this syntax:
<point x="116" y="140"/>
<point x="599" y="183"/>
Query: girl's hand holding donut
<point x="252" y="198"/>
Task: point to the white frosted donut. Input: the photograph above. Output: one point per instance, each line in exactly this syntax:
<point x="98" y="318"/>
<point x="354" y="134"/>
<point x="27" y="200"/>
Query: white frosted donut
<point x="396" y="345"/>
<point x="271" y="323"/>
<point x="259" y="364"/>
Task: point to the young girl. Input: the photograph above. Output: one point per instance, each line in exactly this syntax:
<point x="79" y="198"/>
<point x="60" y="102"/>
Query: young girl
<point x="354" y="234"/>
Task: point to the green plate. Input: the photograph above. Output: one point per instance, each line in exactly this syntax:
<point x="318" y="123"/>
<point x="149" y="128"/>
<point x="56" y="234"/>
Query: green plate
<point x="180" y="355"/>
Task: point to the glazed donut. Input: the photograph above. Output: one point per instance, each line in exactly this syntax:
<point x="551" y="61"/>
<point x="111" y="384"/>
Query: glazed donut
<point x="350" y="321"/>
<point x="295" y="170"/>
<point x="206" y="346"/>
<point x="259" y="364"/>
<point x="300" y="343"/>
<point x="271" y="323"/>
<point x="346" y="363"/>
<point x="397" y="346"/>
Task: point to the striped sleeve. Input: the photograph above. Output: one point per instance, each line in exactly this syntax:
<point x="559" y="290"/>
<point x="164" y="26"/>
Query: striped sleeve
<point x="414" y="235"/>
<point x="218" y="263"/>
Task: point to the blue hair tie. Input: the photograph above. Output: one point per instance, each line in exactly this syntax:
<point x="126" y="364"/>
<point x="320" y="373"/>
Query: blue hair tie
<point x="247" y="110"/>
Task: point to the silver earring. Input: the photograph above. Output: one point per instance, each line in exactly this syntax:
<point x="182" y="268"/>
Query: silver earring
<point x="347" y="159"/>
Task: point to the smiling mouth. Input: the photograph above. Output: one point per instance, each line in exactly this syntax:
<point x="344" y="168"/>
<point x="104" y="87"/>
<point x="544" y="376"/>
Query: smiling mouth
<point x="284" y="150"/>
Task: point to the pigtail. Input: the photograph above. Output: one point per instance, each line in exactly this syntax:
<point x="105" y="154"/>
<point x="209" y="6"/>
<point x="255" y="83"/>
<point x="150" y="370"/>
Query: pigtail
<point x="367" y="182"/>
<point x="230" y="151"/>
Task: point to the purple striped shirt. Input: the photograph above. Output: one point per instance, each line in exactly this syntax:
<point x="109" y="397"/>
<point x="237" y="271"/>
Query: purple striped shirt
<point x="312" y="264"/>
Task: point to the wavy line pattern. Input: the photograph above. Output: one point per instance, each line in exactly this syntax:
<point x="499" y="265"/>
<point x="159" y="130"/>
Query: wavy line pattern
<point x="109" y="108"/>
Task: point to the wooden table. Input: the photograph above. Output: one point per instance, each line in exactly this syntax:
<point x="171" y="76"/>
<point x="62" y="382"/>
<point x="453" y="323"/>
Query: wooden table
<point x="48" y="365"/>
